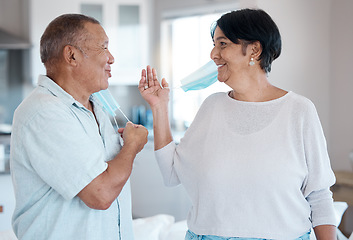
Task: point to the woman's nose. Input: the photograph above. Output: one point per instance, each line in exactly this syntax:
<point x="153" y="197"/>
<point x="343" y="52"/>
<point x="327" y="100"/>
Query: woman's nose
<point x="214" y="53"/>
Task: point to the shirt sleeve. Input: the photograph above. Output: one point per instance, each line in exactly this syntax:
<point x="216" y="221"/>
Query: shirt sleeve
<point x="165" y="159"/>
<point x="61" y="152"/>
<point x="320" y="176"/>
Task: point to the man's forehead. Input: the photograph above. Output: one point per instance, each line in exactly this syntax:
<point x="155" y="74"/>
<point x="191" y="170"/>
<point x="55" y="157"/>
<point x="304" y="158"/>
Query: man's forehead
<point x="96" y="33"/>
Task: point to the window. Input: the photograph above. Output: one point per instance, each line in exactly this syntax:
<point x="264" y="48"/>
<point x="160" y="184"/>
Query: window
<point x="186" y="46"/>
<point x="129" y="47"/>
<point x="93" y="10"/>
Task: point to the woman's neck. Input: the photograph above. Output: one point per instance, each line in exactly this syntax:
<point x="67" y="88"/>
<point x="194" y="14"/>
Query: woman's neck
<point x="260" y="91"/>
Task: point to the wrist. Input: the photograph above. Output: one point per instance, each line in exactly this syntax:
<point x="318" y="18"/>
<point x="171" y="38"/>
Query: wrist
<point x="130" y="148"/>
<point x="160" y="108"/>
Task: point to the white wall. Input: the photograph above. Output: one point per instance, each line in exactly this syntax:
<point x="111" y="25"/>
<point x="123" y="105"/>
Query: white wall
<point x="341" y="84"/>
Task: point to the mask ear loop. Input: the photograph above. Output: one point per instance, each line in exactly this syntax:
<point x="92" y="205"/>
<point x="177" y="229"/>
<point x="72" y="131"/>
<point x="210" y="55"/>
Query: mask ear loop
<point x="112" y="113"/>
<point x="124" y="114"/>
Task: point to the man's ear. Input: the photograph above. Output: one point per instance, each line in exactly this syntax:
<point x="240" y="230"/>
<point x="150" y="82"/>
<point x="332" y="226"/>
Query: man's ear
<point x="69" y="54"/>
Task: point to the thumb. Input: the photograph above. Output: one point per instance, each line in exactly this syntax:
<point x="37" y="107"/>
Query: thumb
<point x="164" y="83"/>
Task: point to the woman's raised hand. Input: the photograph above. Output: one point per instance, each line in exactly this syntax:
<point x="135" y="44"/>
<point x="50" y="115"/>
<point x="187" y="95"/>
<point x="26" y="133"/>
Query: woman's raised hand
<point x="154" y="92"/>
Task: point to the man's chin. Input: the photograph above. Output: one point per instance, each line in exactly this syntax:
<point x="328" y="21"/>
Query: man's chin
<point x="105" y="85"/>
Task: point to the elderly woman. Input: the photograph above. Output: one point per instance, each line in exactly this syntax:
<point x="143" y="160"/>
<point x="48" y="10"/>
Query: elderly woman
<point x="254" y="161"/>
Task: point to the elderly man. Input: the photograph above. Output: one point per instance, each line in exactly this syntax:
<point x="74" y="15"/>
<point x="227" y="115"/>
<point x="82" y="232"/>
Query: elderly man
<point x="69" y="169"/>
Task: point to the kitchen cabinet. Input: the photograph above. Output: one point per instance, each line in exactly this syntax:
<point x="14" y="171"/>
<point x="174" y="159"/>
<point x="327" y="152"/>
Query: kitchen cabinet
<point x="125" y="22"/>
<point x="5" y="153"/>
<point x="343" y="191"/>
<point x="7" y="196"/>
<point x="343" y="188"/>
<point x="149" y="194"/>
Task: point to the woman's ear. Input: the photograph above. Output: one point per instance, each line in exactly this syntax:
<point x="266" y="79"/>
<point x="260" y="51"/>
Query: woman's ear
<point x="69" y="54"/>
<point x="256" y="49"/>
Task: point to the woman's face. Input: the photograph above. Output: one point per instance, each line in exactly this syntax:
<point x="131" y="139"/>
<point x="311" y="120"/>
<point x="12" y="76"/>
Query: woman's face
<point x="229" y="57"/>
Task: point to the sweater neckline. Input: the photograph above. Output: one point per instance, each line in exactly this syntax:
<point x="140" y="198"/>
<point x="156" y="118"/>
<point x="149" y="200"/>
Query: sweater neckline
<point x="258" y="103"/>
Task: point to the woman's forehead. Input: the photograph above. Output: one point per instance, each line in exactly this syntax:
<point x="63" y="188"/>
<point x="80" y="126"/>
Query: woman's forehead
<point x="218" y="35"/>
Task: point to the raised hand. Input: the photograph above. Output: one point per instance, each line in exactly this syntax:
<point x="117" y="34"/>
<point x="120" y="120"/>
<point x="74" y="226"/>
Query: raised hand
<point x="154" y="92"/>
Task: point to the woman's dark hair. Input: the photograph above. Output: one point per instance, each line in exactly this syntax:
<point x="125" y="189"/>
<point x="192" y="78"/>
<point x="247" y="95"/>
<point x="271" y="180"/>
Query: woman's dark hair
<point x="247" y="26"/>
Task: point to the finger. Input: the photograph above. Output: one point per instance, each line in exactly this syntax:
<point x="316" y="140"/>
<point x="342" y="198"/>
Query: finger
<point x="155" y="78"/>
<point x="149" y="76"/>
<point x="129" y="124"/>
<point x="143" y="83"/>
<point x="120" y="130"/>
<point x="143" y="76"/>
<point x="164" y="83"/>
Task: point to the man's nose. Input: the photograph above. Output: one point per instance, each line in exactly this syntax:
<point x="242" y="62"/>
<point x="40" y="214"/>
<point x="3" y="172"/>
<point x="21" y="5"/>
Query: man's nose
<point x="111" y="59"/>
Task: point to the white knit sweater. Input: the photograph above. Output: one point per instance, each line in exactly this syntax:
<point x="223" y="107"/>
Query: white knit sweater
<point x="253" y="169"/>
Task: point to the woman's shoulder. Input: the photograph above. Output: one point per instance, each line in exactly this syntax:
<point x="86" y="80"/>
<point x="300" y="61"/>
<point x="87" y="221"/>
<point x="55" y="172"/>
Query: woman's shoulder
<point x="216" y="96"/>
<point x="301" y="103"/>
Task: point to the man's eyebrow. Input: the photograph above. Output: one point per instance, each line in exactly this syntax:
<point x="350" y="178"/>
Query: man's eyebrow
<point x="104" y="44"/>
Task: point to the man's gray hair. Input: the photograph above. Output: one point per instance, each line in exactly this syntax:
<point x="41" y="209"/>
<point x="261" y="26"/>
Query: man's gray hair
<point x="67" y="29"/>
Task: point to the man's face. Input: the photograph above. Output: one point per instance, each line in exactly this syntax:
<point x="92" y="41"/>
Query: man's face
<point x="95" y="64"/>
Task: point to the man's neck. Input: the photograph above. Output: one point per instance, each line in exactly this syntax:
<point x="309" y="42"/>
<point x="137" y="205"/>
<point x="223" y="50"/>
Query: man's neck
<point x="74" y="88"/>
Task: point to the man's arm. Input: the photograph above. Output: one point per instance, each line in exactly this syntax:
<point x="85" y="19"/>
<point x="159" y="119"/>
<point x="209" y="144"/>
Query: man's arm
<point x="104" y="189"/>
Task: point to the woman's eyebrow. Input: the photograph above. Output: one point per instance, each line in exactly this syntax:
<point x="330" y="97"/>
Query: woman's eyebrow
<point x="220" y="38"/>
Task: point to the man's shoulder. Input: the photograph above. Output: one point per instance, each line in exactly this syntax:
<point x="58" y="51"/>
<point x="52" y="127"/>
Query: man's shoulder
<point x="38" y="102"/>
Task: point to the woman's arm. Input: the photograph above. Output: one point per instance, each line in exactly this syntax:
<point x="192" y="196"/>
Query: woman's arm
<point x="157" y="96"/>
<point x="325" y="232"/>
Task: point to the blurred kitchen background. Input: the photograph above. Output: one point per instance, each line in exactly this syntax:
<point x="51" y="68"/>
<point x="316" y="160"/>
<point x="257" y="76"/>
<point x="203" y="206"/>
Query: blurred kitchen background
<point x="174" y="37"/>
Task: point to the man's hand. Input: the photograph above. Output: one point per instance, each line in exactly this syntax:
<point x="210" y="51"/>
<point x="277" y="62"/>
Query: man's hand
<point x="104" y="189"/>
<point x="134" y="136"/>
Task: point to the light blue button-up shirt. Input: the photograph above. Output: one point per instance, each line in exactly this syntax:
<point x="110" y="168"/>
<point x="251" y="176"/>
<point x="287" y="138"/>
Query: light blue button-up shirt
<point x="57" y="148"/>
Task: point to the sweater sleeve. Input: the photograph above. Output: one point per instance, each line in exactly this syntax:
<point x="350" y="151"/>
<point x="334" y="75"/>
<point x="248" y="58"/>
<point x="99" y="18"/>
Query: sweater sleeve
<point x="320" y="178"/>
<point x="165" y="159"/>
<point x="172" y="154"/>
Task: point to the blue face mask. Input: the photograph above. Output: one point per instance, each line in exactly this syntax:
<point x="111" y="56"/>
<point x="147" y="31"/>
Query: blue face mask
<point x="202" y="78"/>
<point x="108" y="102"/>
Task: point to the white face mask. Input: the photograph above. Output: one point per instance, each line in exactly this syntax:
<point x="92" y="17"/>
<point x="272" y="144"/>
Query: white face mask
<point x="202" y="78"/>
<point x="108" y="102"/>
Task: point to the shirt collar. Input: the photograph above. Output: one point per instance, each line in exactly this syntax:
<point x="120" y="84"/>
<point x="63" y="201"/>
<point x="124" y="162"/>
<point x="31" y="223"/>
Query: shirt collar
<point x="56" y="90"/>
